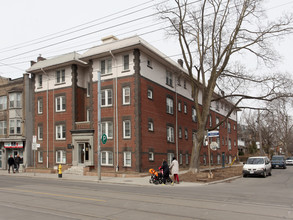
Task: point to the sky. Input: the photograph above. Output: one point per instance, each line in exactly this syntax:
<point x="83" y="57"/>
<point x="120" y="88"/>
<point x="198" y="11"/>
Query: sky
<point x="33" y="27"/>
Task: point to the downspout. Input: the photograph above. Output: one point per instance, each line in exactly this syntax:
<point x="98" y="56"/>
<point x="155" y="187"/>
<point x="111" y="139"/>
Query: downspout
<point x="176" y="116"/>
<point x="47" y="110"/>
<point x="116" y="113"/>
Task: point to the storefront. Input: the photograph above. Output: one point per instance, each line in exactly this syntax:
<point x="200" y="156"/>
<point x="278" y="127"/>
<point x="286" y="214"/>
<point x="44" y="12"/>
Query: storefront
<point x="13" y="148"/>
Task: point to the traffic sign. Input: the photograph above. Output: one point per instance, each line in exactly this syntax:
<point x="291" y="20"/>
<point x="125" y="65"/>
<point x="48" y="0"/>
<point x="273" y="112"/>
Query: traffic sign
<point x="104" y="138"/>
<point x="34" y="146"/>
<point x="214" y="145"/>
<point x="213" y="134"/>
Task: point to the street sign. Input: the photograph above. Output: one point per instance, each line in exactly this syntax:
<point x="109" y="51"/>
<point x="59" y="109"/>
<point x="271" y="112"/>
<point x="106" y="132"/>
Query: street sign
<point x="214" y="145"/>
<point x="34" y="139"/>
<point x="34" y="146"/>
<point x="104" y="138"/>
<point x="213" y="134"/>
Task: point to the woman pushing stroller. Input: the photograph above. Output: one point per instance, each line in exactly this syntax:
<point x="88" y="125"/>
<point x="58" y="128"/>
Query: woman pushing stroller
<point x="166" y="173"/>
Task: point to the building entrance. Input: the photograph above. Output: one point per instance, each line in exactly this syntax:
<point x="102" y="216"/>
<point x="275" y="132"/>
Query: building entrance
<point x="83" y="153"/>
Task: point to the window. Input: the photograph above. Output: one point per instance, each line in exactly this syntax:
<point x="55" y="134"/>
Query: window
<point x="60" y="103"/>
<point x="40" y="156"/>
<point x="217" y="122"/>
<point x="186" y="133"/>
<point x="15" y="100"/>
<point x="179" y="106"/>
<point x="60" y="132"/>
<point x="106" y="66"/>
<point x="229" y="127"/>
<point x="150" y="125"/>
<point x="151" y="156"/>
<point x="169" y="103"/>
<point x="127" y="158"/>
<point x="40" y="132"/>
<point x="126" y="62"/>
<point x="88" y="89"/>
<point x="218" y="159"/>
<point x="180" y="159"/>
<point x="180" y="132"/>
<point x="87" y="115"/>
<point x="40" y="105"/>
<point x="107" y="158"/>
<point x="106" y="97"/>
<point x="126" y="95"/>
<point x="169" y="79"/>
<point x="210" y="120"/>
<point x="14" y="126"/>
<point x="193" y="114"/>
<point x="170" y="134"/>
<point x="61" y="156"/>
<point x="185" y="108"/>
<point x="229" y="144"/>
<point x="127" y="129"/>
<point x="3" y="127"/>
<point x="107" y="128"/>
<point x="170" y="158"/>
<point x="40" y="80"/>
<point x="218" y="142"/>
<point x="150" y="94"/>
<point x="60" y="76"/>
<point x="205" y="159"/>
<point x="186" y="159"/>
<point x="3" y="102"/>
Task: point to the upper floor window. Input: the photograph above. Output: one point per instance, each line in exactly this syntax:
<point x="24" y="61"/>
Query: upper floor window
<point x="185" y="108"/>
<point x="127" y="129"/>
<point x="150" y="125"/>
<point x="88" y="91"/>
<point x="170" y="134"/>
<point x="107" y="128"/>
<point x="169" y="104"/>
<point x="186" y="133"/>
<point x="193" y="114"/>
<point x="126" y="95"/>
<point x="229" y="127"/>
<point x="60" y="132"/>
<point x="126" y="62"/>
<point x="151" y="156"/>
<point x="40" y="132"/>
<point x="60" y="104"/>
<point x="217" y="122"/>
<point x="3" y="102"/>
<point x="40" y="80"/>
<point x="179" y="106"/>
<point x="150" y="93"/>
<point x="210" y="120"/>
<point x="169" y="79"/>
<point x="60" y="76"/>
<point x="106" y="66"/>
<point x="107" y="158"/>
<point x="229" y="144"/>
<point x="15" y="100"/>
<point x="106" y="97"/>
<point x="14" y="126"/>
<point x="3" y="127"/>
<point x="179" y="132"/>
<point x="40" y="105"/>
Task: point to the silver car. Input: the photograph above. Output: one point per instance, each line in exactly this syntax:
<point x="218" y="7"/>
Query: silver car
<point x="289" y="161"/>
<point x="260" y="166"/>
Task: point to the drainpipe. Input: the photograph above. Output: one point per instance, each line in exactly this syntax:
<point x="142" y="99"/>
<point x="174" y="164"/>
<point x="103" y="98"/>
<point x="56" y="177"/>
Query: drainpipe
<point x="176" y="116"/>
<point x="116" y="113"/>
<point x="47" y="110"/>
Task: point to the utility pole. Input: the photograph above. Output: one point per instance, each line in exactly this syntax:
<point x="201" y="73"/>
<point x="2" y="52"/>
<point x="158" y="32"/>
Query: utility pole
<point x="99" y="125"/>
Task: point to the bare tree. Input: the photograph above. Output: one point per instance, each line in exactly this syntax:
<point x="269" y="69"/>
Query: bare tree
<point x="213" y="36"/>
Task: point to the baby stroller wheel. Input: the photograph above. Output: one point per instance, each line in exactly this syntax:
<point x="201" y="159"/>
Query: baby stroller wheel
<point x="160" y="181"/>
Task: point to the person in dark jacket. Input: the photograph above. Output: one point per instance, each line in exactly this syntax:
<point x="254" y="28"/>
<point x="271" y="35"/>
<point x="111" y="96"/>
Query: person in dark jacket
<point x="166" y="173"/>
<point x="17" y="162"/>
<point x="11" y="163"/>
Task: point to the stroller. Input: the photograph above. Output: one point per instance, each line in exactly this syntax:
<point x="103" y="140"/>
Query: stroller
<point x="156" y="177"/>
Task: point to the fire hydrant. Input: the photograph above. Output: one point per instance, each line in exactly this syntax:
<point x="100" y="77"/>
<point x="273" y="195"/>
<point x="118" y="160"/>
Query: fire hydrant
<point x="60" y="171"/>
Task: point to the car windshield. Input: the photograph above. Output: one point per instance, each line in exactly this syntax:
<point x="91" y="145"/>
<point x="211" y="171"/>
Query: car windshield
<point x="290" y="158"/>
<point x="278" y="158"/>
<point x="255" y="161"/>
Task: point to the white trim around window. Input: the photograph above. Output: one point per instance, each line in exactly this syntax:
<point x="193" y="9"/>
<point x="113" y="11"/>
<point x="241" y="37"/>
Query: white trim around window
<point x="40" y="156"/>
<point x="106" y="97"/>
<point x="127" y="158"/>
<point x="61" y="156"/>
<point x="60" y="103"/>
<point x="107" y="158"/>
<point x="127" y="129"/>
<point x="126" y="95"/>
<point x="107" y="129"/>
<point x="60" y="132"/>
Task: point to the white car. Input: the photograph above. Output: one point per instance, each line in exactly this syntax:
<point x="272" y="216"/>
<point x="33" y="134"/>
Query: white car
<point x="289" y="161"/>
<point x="260" y="166"/>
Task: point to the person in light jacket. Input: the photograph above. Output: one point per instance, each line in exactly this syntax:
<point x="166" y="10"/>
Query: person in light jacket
<point x="175" y="170"/>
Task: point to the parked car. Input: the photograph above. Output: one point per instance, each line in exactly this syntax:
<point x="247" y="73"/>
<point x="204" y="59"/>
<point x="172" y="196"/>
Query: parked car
<point x="278" y="161"/>
<point x="289" y="161"/>
<point x="260" y="166"/>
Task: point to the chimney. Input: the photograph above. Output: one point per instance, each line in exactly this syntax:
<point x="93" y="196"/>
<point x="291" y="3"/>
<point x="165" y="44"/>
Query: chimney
<point x="40" y="58"/>
<point x="180" y="61"/>
<point x="109" y="39"/>
<point x="33" y="62"/>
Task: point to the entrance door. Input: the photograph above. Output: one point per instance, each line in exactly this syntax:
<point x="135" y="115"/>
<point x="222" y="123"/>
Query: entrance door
<point x="83" y="153"/>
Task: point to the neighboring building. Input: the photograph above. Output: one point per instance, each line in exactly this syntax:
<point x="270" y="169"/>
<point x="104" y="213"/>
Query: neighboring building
<point x="146" y="108"/>
<point x="12" y="121"/>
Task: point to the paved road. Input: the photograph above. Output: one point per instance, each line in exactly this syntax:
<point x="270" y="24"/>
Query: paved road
<point x="24" y="197"/>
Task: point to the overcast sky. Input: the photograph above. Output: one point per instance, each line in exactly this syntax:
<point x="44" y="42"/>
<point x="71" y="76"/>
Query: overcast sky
<point x="33" y="27"/>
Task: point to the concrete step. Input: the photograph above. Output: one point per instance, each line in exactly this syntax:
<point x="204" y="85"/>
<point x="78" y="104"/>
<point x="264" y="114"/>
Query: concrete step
<point x="76" y="170"/>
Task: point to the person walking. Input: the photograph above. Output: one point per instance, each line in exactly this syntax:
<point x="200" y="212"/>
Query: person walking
<point x="175" y="170"/>
<point x="11" y="163"/>
<point x="166" y="172"/>
<point x="17" y="162"/>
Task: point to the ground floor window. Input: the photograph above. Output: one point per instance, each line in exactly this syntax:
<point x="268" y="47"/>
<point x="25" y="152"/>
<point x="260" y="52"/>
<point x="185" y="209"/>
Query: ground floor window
<point x="186" y="159"/>
<point x="40" y="156"/>
<point x="170" y="158"/>
<point x="151" y="156"/>
<point x="127" y="159"/>
<point x="61" y="156"/>
<point x="107" y="158"/>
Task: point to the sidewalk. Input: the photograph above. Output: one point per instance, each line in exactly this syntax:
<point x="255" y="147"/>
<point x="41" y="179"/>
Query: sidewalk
<point x="139" y="181"/>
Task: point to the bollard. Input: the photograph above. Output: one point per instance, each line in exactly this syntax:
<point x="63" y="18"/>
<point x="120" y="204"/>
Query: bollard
<point x="60" y="171"/>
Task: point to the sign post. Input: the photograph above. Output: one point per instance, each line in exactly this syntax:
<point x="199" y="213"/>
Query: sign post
<point x="211" y="134"/>
<point x="34" y="148"/>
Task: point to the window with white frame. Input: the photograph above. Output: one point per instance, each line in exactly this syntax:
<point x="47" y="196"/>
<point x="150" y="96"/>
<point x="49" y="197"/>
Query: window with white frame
<point x="60" y="103"/>
<point x="3" y="127"/>
<point x="126" y="62"/>
<point x="60" y="132"/>
<point x="150" y="125"/>
<point x="3" y="102"/>
<point x="107" y="128"/>
<point x="107" y="158"/>
<point x="180" y="159"/>
<point x="170" y="134"/>
<point x="14" y="126"/>
<point x="217" y="122"/>
<point x="106" y="66"/>
<point x="40" y="132"/>
<point x="179" y="106"/>
<point x="150" y="93"/>
<point x="106" y="97"/>
<point x="126" y="95"/>
<point x="170" y="158"/>
<point x="229" y="127"/>
<point x="169" y="104"/>
<point x="60" y="76"/>
<point x="186" y="159"/>
<point x="40" y="80"/>
<point x="61" y="156"/>
<point x="185" y="108"/>
<point x="169" y="80"/>
<point x="218" y="142"/>
<point x="15" y="100"/>
<point x="126" y="129"/>
<point x="40" y="156"/>
<point x="179" y="132"/>
<point x="193" y="114"/>
<point x="127" y="158"/>
<point x="40" y="105"/>
<point x="186" y="133"/>
<point x="151" y="156"/>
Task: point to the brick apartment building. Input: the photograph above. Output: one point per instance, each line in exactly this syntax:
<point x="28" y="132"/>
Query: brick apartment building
<point x="147" y="111"/>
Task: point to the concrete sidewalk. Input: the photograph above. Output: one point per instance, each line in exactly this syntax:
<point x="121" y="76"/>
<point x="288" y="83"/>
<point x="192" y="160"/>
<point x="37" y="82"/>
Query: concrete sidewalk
<point x="139" y="181"/>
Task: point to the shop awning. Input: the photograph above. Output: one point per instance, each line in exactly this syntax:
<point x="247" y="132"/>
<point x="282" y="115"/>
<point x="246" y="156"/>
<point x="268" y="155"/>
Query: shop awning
<point x="13" y="146"/>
